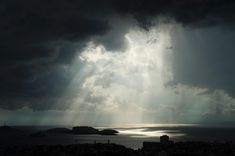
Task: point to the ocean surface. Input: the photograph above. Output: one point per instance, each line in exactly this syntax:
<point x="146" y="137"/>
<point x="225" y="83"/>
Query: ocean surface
<point x="131" y="136"/>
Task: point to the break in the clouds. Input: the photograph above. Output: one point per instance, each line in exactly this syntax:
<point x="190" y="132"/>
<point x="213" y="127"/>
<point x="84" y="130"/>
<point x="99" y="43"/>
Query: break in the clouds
<point x="155" y="61"/>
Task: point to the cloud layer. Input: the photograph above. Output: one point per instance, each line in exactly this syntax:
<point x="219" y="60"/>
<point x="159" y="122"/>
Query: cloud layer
<point x="41" y="43"/>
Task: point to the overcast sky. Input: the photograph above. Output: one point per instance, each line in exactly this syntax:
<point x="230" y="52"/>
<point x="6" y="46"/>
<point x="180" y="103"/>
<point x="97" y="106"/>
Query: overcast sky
<point x="113" y="62"/>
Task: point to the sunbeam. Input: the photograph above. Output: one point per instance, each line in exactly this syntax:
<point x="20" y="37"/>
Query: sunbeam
<point x="119" y="84"/>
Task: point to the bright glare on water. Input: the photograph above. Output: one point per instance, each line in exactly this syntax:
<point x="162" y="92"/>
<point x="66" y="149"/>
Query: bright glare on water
<point x="144" y="133"/>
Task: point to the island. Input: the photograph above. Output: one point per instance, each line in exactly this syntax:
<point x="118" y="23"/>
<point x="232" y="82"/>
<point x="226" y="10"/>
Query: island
<point x="77" y="130"/>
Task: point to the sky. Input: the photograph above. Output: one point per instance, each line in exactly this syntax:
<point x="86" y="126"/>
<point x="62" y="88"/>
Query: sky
<point x="112" y="62"/>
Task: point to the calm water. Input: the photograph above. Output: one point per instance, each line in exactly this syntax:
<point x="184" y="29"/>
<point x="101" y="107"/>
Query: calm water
<point x="133" y="135"/>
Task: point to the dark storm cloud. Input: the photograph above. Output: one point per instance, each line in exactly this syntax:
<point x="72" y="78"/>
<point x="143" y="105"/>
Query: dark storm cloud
<point x="205" y="58"/>
<point x="38" y="38"/>
<point x="187" y="12"/>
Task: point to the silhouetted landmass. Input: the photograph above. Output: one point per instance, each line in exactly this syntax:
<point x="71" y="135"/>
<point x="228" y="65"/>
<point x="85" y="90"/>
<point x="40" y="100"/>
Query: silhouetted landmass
<point x="38" y="134"/>
<point x="189" y="149"/>
<point x="84" y="130"/>
<point x="78" y="130"/>
<point x="6" y="130"/>
<point x="90" y="130"/>
<point x="68" y="150"/>
<point x="108" y="132"/>
<point x="98" y="149"/>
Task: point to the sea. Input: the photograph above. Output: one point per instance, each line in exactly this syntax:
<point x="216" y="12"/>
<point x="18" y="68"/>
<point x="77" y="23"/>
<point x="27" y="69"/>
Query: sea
<point x="131" y="136"/>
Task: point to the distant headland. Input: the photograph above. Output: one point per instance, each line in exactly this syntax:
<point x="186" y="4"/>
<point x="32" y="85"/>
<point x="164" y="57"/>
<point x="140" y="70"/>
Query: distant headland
<point x="77" y="130"/>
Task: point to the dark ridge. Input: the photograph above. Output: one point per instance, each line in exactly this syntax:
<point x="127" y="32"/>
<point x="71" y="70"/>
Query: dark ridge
<point x="9" y="130"/>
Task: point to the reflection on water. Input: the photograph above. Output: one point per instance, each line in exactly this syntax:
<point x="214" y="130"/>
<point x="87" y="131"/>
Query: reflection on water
<point x="145" y="133"/>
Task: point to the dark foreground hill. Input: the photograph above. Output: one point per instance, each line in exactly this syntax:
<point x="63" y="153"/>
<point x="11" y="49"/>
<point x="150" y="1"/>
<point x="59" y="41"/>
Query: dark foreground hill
<point x="68" y="150"/>
<point x="98" y="149"/>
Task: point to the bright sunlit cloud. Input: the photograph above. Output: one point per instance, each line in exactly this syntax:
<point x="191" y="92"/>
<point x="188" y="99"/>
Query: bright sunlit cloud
<point x="128" y="86"/>
<point x="131" y="86"/>
<point x="121" y="82"/>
